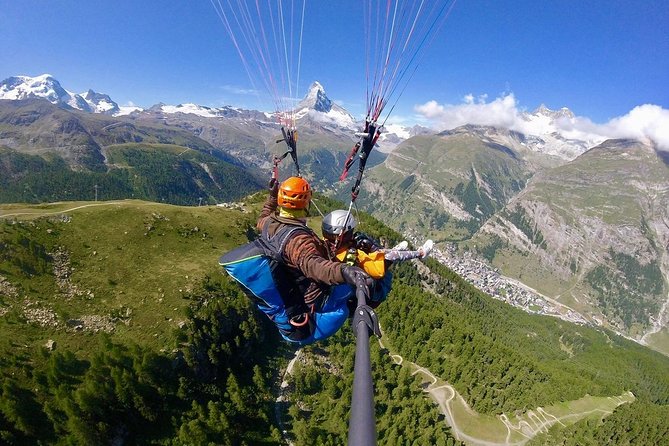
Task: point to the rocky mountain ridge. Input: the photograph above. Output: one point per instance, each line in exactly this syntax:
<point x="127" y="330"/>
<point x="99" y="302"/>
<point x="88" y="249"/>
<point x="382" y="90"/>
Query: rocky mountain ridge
<point x="591" y="233"/>
<point x="594" y="232"/>
<point x="315" y="110"/>
<point x="47" y="87"/>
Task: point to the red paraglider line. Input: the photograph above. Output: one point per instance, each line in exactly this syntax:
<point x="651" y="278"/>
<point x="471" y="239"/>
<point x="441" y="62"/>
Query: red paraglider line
<point x="401" y="47"/>
<point x="264" y="35"/>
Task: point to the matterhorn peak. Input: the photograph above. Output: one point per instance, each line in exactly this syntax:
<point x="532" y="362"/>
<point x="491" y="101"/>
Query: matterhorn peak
<point x="318" y="107"/>
<point x="315" y="85"/>
<point x="316" y="99"/>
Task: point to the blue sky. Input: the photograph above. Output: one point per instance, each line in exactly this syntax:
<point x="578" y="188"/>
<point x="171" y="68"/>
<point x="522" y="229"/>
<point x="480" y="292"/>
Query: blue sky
<point x="599" y="58"/>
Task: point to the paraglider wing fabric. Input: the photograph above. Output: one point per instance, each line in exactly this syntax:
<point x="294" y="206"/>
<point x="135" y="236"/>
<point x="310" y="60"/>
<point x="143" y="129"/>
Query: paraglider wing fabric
<point x="252" y="269"/>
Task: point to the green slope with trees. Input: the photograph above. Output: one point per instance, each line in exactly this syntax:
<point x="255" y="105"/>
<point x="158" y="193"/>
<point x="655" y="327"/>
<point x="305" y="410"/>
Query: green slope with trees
<point x="116" y="325"/>
<point x="500" y="359"/>
<point x="156" y="172"/>
<point x="50" y="153"/>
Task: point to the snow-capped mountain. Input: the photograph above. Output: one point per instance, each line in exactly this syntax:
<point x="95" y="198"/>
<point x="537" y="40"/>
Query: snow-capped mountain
<point x="316" y="99"/>
<point x="394" y="134"/>
<point x="539" y="128"/>
<point x="101" y="103"/>
<point x="47" y="87"/>
<point x="554" y="115"/>
<point x="208" y="112"/>
<point x="541" y="133"/>
<point x="318" y="107"/>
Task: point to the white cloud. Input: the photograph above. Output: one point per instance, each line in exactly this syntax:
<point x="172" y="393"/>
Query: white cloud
<point x="645" y="122"/>
<point x="238" y="90"/>
<point x="502" y="112"/>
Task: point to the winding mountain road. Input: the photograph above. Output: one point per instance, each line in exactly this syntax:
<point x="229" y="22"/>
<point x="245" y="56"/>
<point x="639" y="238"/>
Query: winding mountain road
<point x="540" y="420"/>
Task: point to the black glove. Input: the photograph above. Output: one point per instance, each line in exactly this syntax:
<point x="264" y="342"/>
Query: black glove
<point x="356" y="277"/>
<point x="365" y="243"/>
<point x="273" y="188"/>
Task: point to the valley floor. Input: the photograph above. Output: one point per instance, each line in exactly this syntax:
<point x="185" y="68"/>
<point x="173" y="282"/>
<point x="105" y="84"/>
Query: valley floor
<point x="513" y="292"/>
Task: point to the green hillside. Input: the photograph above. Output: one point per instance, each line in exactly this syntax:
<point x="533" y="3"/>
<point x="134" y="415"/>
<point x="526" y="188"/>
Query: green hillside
<point x="156" y="172"/>
<point x="117" y="326"/>
<point x="48" y="153"/>
<point x="322" y="155"/>
<point x="502" y="361"/>
<point x="444" y="185"/>
<point x="37" y="127"/>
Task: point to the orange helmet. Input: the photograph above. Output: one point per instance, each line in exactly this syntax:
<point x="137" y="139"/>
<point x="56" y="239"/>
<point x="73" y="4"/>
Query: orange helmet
<point x="294" y="193"/>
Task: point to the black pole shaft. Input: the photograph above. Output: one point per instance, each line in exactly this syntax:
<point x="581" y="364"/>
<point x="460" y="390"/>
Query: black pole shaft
<point x="362" y="424"/>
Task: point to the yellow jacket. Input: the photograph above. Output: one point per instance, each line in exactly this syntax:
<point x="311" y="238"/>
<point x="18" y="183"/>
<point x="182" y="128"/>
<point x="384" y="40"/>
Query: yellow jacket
<point x="373" y="263"/>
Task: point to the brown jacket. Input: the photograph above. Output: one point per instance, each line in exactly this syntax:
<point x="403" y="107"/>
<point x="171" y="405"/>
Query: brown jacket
<point x="304" y="252"/>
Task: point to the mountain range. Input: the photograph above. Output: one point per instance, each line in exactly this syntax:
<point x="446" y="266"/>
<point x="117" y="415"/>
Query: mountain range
<point x="316" y="106"/>
<point x="117" y="325"/>
<point x="584" y="222"/>
<point x="591" y="232"/>
<point x="46" y="86"/>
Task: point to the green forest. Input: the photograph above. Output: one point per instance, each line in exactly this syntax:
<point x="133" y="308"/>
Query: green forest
<point x="501" y="360"/>
<point x="202" y="394"/>
<point x="156" y="172"/>
<point x="195" y="363"/>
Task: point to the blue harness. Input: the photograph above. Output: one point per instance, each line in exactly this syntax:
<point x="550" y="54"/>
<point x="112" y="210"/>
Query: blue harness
<point x="278" y="291"/>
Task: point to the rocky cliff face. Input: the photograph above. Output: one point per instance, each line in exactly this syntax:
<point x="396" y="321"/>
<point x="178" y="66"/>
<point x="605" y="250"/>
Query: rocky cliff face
<point x="593" y="232"/>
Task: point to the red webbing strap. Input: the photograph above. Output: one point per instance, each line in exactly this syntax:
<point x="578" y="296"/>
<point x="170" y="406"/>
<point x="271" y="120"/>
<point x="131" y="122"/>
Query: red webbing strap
<point x="349" y="161"/>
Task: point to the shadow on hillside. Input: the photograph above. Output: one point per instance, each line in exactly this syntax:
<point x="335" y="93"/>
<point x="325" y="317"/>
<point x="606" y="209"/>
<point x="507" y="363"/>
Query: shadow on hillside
<point x="503" y="149"/>
<point x="664" y="156"/>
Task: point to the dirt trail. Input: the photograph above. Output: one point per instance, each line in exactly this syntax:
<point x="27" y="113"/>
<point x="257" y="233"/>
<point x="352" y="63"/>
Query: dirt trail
<point x="39" y="212"/>
<point x="444" y="395"/>
<point x="283" y="389"/>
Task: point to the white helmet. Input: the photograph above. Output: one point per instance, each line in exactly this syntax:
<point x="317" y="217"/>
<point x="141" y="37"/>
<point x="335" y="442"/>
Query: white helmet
<point x="337" y="222"/>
